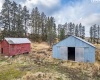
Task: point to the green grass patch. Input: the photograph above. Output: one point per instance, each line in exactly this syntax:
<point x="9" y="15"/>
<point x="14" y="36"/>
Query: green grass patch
<point x="10" y="73"/>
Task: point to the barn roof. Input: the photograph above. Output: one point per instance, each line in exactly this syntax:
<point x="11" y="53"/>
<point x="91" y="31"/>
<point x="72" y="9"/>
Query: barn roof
<point x="84" y="41"/>
<point x="81" y="40"/>
<point x="17" y="40"/>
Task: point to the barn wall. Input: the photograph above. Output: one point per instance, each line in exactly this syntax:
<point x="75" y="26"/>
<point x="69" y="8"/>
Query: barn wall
<point x="5" y="47"/>
<point x="89" y="54"/>
<point x="56" y="52"/>
<point x="71" y="41"/>
<point x="0" y="47"/>
<point x="19" y="48"/>
<point x="89" y="51"/>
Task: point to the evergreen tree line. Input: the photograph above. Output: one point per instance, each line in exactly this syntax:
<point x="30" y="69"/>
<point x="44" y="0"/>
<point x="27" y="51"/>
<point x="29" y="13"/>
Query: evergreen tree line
<point x="13" y="19"/>
<point x="43" y="28"/>
<point x="71" y="29"/>
<point x="16" y="21"/>
<point x="95" y="34"/>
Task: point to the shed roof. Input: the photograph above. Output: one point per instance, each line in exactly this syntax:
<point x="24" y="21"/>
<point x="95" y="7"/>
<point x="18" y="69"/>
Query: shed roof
<point x="82" y="40"/>
<point x="17" y="40"/>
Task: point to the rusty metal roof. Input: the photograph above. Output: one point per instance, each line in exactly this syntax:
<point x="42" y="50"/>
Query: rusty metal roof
<point x="17" y="40"/>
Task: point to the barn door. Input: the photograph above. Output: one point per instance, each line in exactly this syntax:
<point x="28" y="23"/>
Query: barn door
<point x="1" y="50"/>
<point x="79" y="54"/>
<point x="63" y="53"/>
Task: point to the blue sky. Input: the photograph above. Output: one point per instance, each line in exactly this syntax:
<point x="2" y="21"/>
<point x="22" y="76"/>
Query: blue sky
<point x="86" y="12"/>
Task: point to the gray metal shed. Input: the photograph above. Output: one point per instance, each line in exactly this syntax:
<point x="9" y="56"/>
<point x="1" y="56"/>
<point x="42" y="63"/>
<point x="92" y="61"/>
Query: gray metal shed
<point x="74" y="48"/>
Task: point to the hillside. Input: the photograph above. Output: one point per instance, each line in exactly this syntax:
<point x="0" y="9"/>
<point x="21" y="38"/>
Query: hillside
<point x="39" y="65"/>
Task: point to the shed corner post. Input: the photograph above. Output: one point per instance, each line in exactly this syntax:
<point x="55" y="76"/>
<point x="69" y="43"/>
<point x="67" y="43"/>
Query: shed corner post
<point x="9" y="50"/>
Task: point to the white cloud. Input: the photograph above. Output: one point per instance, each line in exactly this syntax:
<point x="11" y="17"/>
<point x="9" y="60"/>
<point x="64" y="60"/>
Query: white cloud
<point x="91" y="19"/>
<point x="46" y="3"/>
<point x="49" y="3"/>
<point x="68" y="14"/>
<point x="1" y="3"/>
<point x="88" y="13"/>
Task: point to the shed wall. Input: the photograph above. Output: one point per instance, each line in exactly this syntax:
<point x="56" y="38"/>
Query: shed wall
<point x="5" y="47"/>
<point x="13" y="49"/>
<point x="89" y="51"/>
<point x="19" y="48"/>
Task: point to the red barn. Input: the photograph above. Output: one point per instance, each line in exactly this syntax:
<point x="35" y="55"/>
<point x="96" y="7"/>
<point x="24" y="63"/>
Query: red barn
<point x="13" y="46"/>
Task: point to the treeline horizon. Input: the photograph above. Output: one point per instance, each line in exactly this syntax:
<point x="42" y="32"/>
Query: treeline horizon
<point x="95" y="34"/>
<point x="71" y="29"/>
<point x="16" y="21"/>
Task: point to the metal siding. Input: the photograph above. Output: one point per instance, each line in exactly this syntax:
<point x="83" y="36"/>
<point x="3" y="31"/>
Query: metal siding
<point x="79" y="43"/>
<point x="63" y="53"/>
<point x="70" y="42"/>
<point x="66" y="42"/>
<point x="89" y="55"/>
<point x="5" y="47"/>
<point x="13" y="49"/>
<point x="59" y="53"/>
<point x="79" y="54"/>
<point x="55" y="52"/>
<point x="19" y="49"/>
<point x="17" y="40"/>
<point x="83" y="40"/>
<point x="89" y="51"/>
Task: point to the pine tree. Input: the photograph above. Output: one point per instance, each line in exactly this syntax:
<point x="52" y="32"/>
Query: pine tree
<point x="94" y="33"/>
<point x="51" y="34"/>
<point x="83" y="32"/>
<point x="19" y="24"/>
<point x="15" y="19"/>
<point x="62" y="34"/>
<point x="36" y="16"/>
<point x="80" y="30"/>
<point x="98" y="34"/>
<point x="76" y="30"/>
<point x="91" y="34"/>
<point x="59" y="28"/>
<point x="36" y="24"/>
<point x="73" y="29"/>
<point x="70" y="28"/>
<point x="66" y="29"/>
<point x="25" y="13"/>
<point x="33" y="21"/>
<point x="43" y="26"/>
<point x="6" y="18"/>
<point x="14" y="11"/>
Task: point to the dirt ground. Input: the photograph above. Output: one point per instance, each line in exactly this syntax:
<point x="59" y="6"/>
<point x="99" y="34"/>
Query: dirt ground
<point x="39" y="65"/>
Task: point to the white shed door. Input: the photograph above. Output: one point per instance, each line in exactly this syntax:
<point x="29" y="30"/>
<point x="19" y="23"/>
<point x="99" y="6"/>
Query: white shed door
<point x="79" y="54"/>
<point x="63" y="53"/>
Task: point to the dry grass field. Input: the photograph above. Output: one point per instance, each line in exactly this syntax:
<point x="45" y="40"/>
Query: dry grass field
<point x="39" y="65"/>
